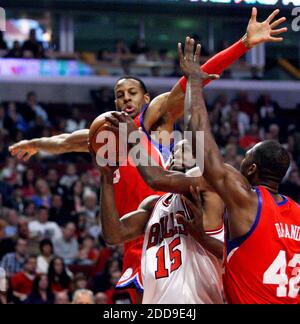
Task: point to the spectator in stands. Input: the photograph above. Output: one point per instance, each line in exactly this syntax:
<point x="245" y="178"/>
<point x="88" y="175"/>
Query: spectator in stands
<point x="101" y="298"/>
<point x="16" y="118"/>
<point x="29" y="209"/>
<point x="87" y="253"/>
<point x="7" y="126"/>
<point x="41" y="293"/>
<point x="70" y="177"/>
<point x="245" y="104"/>
<point x="6" y="244"/>
<point x="28" y="188"/>
<point x="231" y="156"/>
<point x="32" y="48"/>
<point x="103" y="99"/>
<point x="273" y="133"/>
<point x="32" y="109"/>
<point x="12" y="222"/>
<point x="79" y="281"/>
<point x="239" y="120"/>
<point x="42" y="228"/>
<point x="22" y="281"/>
<point x="75" y="198"/>
<point x="250" y="138"/>
<point x="43" y="194"/>
<point x="9" y="172"/>
<point x="61" y="298"/>
<point x="3" y="45"/>
<point x="291" y="187"/>
<point x="45" y="256"/>
<point x="138" y="47"/>
<point x="75" y="122"/>
<point x="14" y="262"/>
<point x="59" y="279"/>
<point x="83" y="296"/>
<point x="17" y="200"/>
<point x="58" y="213"/>
<point x="90" y="205"/>
<point x="67" y="246"/>
<point x="16" y="51"/>
<point x="53" y="183"/>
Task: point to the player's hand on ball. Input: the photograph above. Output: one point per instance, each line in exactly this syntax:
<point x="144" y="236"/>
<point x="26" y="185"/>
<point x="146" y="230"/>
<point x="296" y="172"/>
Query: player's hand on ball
<point x="194" y="226"/>
<point x="121" y="118"/>
<point x="23" y="150"/>
<point x="265" y="31"/>
<point x="190" y="61"/>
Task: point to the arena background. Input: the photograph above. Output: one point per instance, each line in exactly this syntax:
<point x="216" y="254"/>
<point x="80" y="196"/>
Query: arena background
<point x="83" y="48"/>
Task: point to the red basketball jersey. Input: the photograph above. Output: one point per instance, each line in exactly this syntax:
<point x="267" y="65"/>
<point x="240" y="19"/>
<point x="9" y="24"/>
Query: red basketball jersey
<point x="130" y="190"/>
<point x="263" y="267"/>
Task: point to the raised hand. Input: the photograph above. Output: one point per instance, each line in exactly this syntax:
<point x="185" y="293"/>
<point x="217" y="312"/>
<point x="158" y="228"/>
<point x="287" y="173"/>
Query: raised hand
<point x="23" y="150"/>
<point x="261" y="32"/>
<point x="190" y="61"/>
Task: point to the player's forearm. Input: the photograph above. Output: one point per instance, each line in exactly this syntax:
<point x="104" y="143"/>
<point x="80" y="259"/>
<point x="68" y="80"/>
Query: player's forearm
<point x="63" y="143"/>
<point x="199" y="121"/>
<point x="212" y="245"/>
<point x="109" y="216"/>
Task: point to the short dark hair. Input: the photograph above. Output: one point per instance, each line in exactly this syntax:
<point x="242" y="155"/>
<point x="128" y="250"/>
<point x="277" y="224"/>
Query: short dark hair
<point x="45" y="242"/>
<point x="142" y="84"/>
<point x="272" y="160"/>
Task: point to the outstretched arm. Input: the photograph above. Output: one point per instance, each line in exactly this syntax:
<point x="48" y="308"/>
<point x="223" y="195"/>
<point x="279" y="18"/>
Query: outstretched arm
<point x="171" y="105"/>
<point x="64" y="143"/>
<point x="232" y="187"/>
<point x="130" y="226"/>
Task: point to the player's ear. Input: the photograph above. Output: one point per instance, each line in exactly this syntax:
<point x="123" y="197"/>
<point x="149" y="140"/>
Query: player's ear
<point x="147" y="97"/>
<point x="252" y="169"/>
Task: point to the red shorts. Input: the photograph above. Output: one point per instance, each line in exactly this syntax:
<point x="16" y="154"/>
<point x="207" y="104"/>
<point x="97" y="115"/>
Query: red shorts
<point x="131" y="274"/>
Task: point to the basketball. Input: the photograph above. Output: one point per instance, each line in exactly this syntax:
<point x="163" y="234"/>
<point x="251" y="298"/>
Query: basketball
<point x="102" y="142"/>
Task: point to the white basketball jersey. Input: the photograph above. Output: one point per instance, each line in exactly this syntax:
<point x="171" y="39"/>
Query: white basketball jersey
<point x="175" y="268"/>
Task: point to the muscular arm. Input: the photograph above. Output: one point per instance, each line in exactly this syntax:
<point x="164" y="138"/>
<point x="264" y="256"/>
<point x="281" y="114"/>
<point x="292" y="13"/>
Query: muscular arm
<point x="232" y="187"/>
<point x="171" y="104"/>
<point x="64" y="143"/>
<point x="130" y="226"/>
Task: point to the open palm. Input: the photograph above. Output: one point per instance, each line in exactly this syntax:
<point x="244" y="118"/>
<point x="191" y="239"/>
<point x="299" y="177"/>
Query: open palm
<point x="260" y="32"/>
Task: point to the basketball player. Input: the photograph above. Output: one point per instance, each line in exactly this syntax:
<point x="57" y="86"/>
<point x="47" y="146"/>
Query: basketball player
<point x="160" y="114"/>
<point x="262" y="261"/>
<point x="180" y="262"/>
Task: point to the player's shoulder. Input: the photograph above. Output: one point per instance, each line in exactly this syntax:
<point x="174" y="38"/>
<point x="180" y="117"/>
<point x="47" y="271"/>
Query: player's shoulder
<point x="149" y="202"/>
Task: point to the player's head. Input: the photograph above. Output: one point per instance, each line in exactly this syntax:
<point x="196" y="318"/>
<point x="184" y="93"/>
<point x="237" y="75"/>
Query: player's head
<point x="131" y="95"/>
<point x="266" y="162"/>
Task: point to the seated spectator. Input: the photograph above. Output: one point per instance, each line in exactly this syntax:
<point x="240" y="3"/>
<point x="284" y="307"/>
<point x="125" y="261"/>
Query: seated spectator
<point x="90" y="207"/>
<point x="79" y="281"/>
<point x="59" y="279"/>
<point x="70" y="177"/>
<point x="6" y="244"/>
<point x="17" y="199"/>
<point x="42" y="228"/>
<point x="32" y="109"/>
<point x="9" y="172"/>
<point x="12" y="222"/>
<point x="75" y="200"/>
<point x="75" y="122"/>
<point x="32" y="48"/>
<point x="58" y="213"/>
<point x="29" y="209"/>
<point x="16" y="51"/>
<point x="291" y="187"/>
<point x="43" y="194"/>
<point x="250" y="138"/>
<point x="101" y="298"/>
<point x="67" y="246"/>
<point x="14" y="262"/>
<point x="83" y="297"/>
<point x="28" y="188"/>
<point x="45" y="256"/>
<point x="41" y="293"/>
<point x="61" y="298"/>
<point x="22" y="281"/>
<point x="53" y="183"/>
<point x="273" y="133"/>
<point x="87" y="253"/>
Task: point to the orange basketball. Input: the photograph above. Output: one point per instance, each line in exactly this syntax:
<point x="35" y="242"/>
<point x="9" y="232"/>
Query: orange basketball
<point x="104" y="143"/>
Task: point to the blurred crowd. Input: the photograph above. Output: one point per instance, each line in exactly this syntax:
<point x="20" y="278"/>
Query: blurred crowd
<point x="51" y="245"/>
